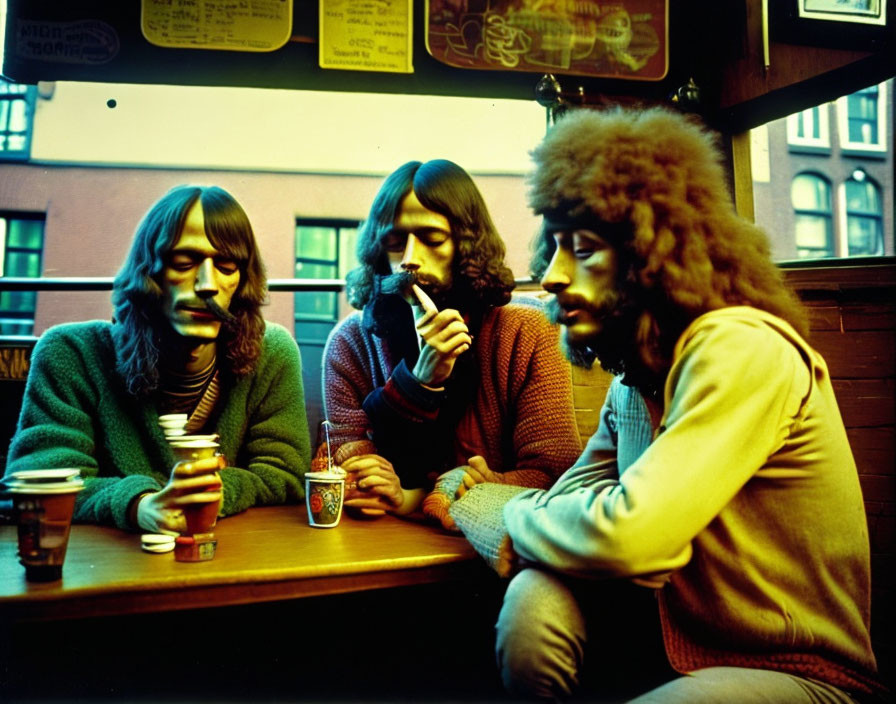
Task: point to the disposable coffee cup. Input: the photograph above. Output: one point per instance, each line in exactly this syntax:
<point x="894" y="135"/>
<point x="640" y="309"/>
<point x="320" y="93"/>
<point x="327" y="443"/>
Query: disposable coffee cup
<point x="43" y="502"/>
<point x="200" y="517"/>
<point x="324" y="495"/>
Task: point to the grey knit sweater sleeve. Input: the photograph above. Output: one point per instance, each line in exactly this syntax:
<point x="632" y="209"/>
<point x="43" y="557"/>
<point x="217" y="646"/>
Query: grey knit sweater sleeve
<point x="479" y="514"/>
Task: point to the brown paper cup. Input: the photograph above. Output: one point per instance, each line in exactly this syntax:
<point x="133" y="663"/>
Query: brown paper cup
<point x="44" y="501"/>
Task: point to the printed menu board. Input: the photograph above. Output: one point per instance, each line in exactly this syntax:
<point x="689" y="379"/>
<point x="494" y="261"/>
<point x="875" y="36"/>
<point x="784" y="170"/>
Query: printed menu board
<point x="625" y="39"/>
<point x="238" y="25"/>
<point x="366" y="35"/>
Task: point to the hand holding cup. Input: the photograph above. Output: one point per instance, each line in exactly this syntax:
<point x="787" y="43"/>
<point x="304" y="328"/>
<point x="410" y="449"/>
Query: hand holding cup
<point x="189" y="502"/>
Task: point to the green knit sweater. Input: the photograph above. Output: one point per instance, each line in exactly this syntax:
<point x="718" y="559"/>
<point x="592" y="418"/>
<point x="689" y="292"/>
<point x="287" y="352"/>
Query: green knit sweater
<point x="77" y="413"/>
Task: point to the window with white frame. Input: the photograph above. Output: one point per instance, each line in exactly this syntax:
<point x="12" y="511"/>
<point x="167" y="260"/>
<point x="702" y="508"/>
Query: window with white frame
<point x="21" y="255"/>
<point x="813" y="231"/>
<point x="809" y="128"/>
<point x="861" y="120"/>
<point x="864" y="216"/>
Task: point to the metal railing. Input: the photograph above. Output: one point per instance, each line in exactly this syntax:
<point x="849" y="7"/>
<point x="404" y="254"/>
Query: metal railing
<point x="104" y="283"/>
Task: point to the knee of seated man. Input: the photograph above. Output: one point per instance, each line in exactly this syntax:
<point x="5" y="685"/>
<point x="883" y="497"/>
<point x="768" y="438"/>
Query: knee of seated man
<point x="540" y="637"/>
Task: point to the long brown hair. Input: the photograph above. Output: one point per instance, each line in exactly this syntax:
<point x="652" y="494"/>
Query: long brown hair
<point x="480" y="276"/>
<point x="137" y="292"/>
<point x="656" y="177"/>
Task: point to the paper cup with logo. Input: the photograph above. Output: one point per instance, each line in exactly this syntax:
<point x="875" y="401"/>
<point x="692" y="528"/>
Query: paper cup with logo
<point x="43" y="500"/>
<point x="200" y="517"/>
<point x="324" y="495"/>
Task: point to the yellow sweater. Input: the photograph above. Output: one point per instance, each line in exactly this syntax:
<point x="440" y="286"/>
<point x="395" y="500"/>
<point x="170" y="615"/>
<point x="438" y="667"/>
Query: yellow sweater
<point x="749" y="496"/>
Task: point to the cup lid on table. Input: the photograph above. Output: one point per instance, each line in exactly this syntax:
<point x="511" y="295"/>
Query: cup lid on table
<point x="157" y="542"/>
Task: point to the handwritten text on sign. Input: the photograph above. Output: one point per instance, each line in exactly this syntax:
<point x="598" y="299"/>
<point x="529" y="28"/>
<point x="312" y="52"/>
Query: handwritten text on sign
<point x="366" y="35"/>
<point x="237" y="25"/>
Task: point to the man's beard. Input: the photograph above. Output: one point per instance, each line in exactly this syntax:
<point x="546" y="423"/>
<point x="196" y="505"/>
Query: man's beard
<point x="399" y="284"/>
<point x="609" y="346"/>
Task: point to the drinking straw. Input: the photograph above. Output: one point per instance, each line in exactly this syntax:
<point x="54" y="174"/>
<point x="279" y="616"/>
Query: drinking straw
<point x="326" y="426"/>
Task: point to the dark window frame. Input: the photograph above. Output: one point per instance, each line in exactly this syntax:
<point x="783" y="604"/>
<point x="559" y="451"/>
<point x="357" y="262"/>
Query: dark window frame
<point x="11" y="93"/>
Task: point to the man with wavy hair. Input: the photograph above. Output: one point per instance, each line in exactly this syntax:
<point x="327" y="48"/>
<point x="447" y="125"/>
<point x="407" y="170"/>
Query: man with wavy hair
<point x="438" y="370"/>
<point x="187" y="337"/>
<point x="720" y="482"/>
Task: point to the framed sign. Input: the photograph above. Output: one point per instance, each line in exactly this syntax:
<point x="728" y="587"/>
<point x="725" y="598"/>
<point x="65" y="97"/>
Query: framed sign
<point x="863" y="25"/>
<point x="859" y="11"/>
<point x="627" y="39"/>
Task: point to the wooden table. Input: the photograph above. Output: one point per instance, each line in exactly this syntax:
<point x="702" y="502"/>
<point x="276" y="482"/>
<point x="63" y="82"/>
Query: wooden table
<point x="263" y="554"/>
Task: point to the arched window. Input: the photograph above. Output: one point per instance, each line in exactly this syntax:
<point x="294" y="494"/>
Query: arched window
<point x="811" y="198"/>
<point x="864" y="217"/>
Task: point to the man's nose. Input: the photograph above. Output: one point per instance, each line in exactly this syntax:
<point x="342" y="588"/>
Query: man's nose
<point x="410" y="261"/>
<point x="206" y="285"/>
<point x="557" y="277"/>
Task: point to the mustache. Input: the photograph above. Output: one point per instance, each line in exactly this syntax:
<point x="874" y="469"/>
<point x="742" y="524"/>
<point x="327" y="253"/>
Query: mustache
<point x="212" y="306"/>
<point x="400" y="283"/>
<point x="558" y="305"/>
<point x="397" y="284"/>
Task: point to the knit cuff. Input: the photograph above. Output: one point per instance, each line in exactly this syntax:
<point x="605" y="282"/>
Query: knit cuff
<point x="405" y="391"/>
<point x="125" y="491"/>
<point x="479" y="514"/>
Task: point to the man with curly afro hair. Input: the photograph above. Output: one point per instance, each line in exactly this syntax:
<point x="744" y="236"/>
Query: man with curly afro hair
<point x="439" y="373"/>
<point x="719" y="485"/>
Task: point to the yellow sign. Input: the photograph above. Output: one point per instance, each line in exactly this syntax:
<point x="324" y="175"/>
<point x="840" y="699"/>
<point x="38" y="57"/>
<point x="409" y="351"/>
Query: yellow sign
<point x="237" y="25"/>
<point x="366" y="35"/>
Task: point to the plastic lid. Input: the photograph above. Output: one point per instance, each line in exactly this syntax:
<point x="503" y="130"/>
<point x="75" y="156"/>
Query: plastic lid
<point x="158" y="547"/>
<point x="326" y="476"/>
<point x="157" y="538"/>
<point x="45" y="475"/>
<point x="69" y="487"/>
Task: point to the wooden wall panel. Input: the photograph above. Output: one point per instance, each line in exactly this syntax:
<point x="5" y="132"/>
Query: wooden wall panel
<point x="853" y="321"/>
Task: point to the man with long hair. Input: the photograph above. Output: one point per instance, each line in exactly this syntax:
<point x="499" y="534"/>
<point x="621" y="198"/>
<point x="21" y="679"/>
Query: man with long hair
<point x="720" y="482"/>
<point x="187" y="337"/>
<point x="439" y="370"/>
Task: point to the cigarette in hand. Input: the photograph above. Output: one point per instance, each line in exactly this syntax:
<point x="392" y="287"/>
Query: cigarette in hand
<point x="425" y="301"/>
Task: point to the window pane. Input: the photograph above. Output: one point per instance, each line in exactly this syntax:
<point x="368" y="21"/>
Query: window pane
<point x="17" y="301"/>
<point x="312" y="332"/>
<point x="864" y="236"/>
<point x="862" y="197"/>
<point x="810" y="193"/>
<point x="348" y="250"/>
<point x="315" y="270"/>
<point x="315" y="242"/>
<point x="22" y="264"/>
<point x="812" y="231"/>
<point x="25" y="327"/>
<point x="318" y="304"/>
<point x="4" y="115"/>
<point x="17" y="121"/>
<point x="28" y="234"/>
